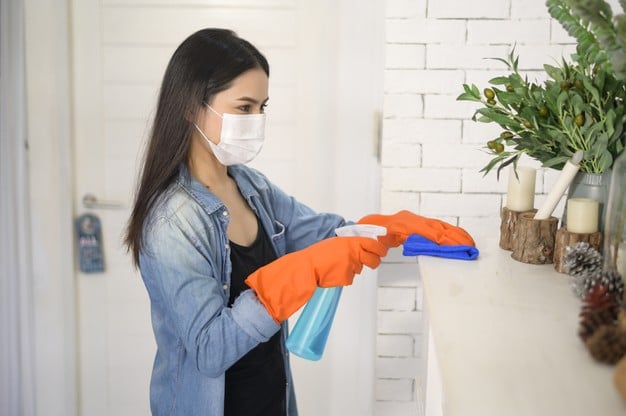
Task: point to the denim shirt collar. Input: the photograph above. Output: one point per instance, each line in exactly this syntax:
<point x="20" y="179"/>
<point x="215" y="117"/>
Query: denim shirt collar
<point x="207" y="199"/>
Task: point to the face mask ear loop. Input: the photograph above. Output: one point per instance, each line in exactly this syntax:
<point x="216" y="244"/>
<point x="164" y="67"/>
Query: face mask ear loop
<point x="216" y="113"/>
<point x="202" y="133"/>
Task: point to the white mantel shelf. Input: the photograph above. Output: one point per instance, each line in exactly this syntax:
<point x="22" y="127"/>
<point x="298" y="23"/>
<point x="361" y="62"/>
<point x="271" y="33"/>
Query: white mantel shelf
<point x="505" y="334"/>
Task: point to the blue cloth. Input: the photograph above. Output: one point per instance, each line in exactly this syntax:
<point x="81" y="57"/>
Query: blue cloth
<point x="416" y="245"/>
<point x="186" y="268"/>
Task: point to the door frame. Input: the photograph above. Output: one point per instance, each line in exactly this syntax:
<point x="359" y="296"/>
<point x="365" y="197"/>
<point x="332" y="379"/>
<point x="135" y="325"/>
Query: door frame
<point x="51" y="205"/>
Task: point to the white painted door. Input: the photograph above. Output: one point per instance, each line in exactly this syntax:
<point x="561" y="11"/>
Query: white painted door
<point x="110" y="114"/>
<point x="119" y="53"/>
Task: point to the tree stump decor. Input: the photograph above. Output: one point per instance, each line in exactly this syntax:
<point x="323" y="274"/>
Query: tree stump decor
<point x="566" y="239"/>
<point x="534" y="239"/>
<point x="508" y="224"/>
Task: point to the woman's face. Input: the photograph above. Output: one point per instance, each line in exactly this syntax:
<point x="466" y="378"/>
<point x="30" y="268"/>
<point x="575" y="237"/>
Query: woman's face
<point x="246" y="95"/>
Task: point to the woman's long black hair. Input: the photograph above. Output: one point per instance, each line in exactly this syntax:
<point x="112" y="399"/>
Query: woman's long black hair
<point x="203" y="65"/>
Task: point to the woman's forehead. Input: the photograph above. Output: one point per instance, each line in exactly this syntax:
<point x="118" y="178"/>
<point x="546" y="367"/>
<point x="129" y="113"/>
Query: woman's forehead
<point x="253" y="83"/>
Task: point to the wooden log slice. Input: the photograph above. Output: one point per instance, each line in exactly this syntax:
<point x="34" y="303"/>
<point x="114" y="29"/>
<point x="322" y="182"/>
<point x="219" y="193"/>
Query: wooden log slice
<point x="509" y="219"/>
<point x="534" y="239"/>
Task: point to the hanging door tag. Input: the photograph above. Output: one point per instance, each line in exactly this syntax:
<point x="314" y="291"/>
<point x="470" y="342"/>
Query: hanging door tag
<point x="89" y="238"/>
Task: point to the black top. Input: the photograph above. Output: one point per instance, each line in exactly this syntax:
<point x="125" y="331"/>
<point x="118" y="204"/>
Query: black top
<point x="256" y="384"/>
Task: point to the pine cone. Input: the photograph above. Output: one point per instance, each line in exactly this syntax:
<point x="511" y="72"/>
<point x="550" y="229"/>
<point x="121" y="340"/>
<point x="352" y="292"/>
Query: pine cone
<point x="621" y="319"/>
<point x="607" y="344"/>
<point x="600" y="308"/>
<point x="613" y="281"/>
<point x="582" y="284"/>
<point x="581" y="258"/>
<point x="584" y="263"/>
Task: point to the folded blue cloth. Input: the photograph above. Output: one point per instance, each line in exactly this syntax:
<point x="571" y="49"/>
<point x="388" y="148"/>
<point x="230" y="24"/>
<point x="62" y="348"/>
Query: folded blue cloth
<point x="416" y="245"/>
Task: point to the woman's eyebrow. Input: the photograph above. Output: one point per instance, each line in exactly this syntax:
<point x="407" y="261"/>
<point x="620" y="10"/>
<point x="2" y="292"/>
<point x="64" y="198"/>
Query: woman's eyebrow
<point x="251" y="100"/>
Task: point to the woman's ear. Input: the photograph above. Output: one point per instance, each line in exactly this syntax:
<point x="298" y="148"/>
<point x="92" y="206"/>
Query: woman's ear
<point x="189" y="116"/>
<point x="193" y="112"/>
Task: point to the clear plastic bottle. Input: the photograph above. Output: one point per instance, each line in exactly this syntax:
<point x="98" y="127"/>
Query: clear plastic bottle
<point x="309" y="335"/>
<point x="615" y="226"/>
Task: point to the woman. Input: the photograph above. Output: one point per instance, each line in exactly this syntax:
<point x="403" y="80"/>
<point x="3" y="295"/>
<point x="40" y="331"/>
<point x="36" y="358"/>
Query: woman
<point x="225" y="255"/>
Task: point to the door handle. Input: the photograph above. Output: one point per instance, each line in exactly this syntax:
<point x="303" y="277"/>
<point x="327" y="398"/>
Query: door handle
<point x="91" y="201"/>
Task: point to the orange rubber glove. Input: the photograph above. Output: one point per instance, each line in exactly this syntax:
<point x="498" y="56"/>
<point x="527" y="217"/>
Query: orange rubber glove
<point x="404" y="223"/>
<point x="287" y="283"/>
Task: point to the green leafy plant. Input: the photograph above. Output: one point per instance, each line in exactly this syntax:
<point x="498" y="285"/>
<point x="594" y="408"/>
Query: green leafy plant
<point x="599" y="33"/>
<point x="601" y="38"/>
<point x="579" y="107"/>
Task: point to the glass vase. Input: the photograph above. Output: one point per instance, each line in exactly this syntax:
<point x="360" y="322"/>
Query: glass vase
<point x="615" y="226"/>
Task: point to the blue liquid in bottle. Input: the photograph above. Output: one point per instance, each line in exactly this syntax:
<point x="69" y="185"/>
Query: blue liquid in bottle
<point x="309" y="335"/>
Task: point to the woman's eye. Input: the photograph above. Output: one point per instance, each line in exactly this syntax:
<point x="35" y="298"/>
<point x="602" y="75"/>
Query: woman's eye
<point x="263" y="107"/>
<point x="245" y="108"/>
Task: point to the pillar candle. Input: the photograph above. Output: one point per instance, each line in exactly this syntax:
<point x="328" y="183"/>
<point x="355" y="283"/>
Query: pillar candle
<point x="521" y="191"/>
<point x="582" y="215"/>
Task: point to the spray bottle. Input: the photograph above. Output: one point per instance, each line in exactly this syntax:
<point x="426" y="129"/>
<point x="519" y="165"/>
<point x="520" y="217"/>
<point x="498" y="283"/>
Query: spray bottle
<point x="309" y="335"/>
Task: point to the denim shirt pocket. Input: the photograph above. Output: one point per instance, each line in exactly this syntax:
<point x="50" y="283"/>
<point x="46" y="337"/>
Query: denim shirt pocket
<point x="278" y="237"/>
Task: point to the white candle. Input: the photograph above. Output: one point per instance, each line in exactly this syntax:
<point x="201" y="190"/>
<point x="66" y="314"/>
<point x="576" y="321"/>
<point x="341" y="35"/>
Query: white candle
<point x="565" y="178"/>
<point x="521" y="191"/>
<point x="582" y="215"/>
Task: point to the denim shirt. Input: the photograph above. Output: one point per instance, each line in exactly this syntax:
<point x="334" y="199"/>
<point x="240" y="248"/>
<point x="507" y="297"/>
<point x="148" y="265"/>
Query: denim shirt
<point x="185" y="266"/>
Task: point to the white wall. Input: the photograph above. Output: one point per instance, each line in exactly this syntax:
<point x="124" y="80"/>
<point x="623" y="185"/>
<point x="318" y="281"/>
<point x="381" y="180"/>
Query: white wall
<point x="431" y="151"/>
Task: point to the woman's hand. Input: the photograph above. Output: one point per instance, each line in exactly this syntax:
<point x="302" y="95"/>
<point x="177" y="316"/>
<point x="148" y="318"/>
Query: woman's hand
<point x="404" y="223"/>
<point x="287" y="283"/>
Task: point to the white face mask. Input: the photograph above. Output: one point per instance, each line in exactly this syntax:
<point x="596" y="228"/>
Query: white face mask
<point x="241" y="138"/>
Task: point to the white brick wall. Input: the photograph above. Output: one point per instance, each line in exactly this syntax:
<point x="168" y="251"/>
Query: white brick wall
<point x="432" y="151"/>
<point x="399" y="341"/>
